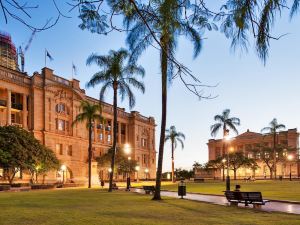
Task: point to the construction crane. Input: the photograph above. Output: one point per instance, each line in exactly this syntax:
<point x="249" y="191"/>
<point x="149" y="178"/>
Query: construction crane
<point x="22" y="52"/>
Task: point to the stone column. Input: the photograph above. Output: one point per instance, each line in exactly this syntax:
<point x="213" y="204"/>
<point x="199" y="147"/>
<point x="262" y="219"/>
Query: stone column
<point x="8" y="107"/>
<point x="25" y="112"/>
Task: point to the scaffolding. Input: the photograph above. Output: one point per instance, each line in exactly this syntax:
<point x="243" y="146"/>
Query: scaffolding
<point x="8" y="52"/>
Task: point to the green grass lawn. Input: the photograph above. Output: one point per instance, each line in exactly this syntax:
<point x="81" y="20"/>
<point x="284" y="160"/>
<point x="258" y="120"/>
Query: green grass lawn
<point x="280" y="190"/>
<point x="276" y="190"/>
<point x="88" y="207"/>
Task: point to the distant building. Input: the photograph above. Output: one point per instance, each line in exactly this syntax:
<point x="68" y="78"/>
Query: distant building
<point x="46" y="105"/>
<point x="249" y="140"/>
<point x="8" y="52"/>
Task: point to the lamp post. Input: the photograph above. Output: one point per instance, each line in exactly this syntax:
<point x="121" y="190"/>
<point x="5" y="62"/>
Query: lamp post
<point x="63" y="169"/>
<point x="223" y="163"/>
<point x="290" y="158"/>
<point x="226" y="137"/>
<point x="146" y="172"/>
<point x="137" y="168"/>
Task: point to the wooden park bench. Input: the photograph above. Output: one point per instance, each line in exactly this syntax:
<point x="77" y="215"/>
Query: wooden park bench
<point x="149" y="189"/>
<point x="114" y="186"/>
<point x="254" y="198"/>
<point x="198" y="180"/>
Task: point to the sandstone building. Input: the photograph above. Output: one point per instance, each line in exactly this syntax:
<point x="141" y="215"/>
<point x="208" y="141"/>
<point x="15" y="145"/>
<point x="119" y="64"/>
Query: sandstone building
<point x="47" y="104"/>
<point x="249" y="140"/>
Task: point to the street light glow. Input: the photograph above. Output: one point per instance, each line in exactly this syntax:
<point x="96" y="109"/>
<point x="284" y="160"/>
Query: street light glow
<point x="63" y="168"/>
<point x="127" y="149"/>
<point x="109" y="170"/>
<point x="223" y="160"/>
<point x="146" y="170"/>
<point x="290" y="157"/>
<point x="137" y="168"/>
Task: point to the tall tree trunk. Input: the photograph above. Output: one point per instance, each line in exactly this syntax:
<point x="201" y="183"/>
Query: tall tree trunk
<point x="173" y="179"/>
<point x="234" y="174"/>
<point x="90" y="153"/>
<point x="274" y="155"/>
<point x="115" y="104"/>
<point x="164" y="69"/>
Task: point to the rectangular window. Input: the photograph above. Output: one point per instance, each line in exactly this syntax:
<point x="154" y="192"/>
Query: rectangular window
<point x="108" y="138"/>
<point x="101" y="137"/>
<point x="59" y="149"/>
<point x="61" y="125"/>
<point x="69" y="150"/>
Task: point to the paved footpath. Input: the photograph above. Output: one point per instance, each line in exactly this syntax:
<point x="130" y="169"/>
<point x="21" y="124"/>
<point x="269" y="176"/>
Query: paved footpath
<point x="220" y="200"/>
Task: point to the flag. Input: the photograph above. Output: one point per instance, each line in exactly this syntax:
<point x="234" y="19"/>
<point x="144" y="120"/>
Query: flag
<point x="74" y="69"/>
<point x="48" y="55"/>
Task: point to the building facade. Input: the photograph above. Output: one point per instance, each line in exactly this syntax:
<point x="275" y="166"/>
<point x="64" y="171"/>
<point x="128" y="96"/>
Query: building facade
<point x="46" y="105"/>
<point x="249" y="140"/>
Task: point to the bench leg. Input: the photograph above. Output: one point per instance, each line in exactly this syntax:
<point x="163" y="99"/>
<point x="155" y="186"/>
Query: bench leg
<point x="256" y="206"/>
<point x="233" y="203"/>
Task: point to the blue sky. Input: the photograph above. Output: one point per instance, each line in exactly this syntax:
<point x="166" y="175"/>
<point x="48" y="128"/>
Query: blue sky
<point x="255" y="93"/>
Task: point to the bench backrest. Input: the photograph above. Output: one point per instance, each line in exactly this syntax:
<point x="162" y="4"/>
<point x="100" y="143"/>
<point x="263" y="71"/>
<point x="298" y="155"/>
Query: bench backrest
<point x="148" y="188"/>
<point x="251" y="196"/>
<point x="244" y="196"/>
<point x="231" y="195"/>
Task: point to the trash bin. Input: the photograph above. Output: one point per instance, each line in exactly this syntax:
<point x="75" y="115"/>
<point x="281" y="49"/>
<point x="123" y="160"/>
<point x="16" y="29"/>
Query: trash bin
<point x="128" y="184"/>
<point x="182" y="189"/>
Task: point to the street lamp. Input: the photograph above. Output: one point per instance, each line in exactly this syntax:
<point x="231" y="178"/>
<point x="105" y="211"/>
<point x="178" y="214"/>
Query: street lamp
<point x="137" y="168"/>
<point x="63" y="168"/>
<point x="290" y="158"/>
<point x="146" y="172"/>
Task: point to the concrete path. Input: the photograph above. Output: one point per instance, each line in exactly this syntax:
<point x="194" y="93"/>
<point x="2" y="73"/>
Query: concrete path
<point x="220" y="200"/>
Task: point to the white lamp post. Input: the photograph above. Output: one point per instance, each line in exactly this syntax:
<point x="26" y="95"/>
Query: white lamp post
<point x="137" y="168"/>
<point x="63" y="168"/>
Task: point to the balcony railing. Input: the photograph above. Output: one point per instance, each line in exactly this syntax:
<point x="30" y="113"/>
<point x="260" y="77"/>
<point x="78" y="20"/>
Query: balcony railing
<point x="18" y="106"/>
<point x="2" y="103"/>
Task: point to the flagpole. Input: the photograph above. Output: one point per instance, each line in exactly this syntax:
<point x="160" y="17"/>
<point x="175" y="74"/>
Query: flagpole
<point x="72" y="70"/>
<point x="45" y="57"/>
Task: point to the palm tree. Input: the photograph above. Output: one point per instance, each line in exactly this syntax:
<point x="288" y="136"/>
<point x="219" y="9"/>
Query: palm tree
<point x="225" y="123"/>
<point x="274" y="126"/>
<point x="174" y="136"/>
<point x="119" y="77"/>
<point x="89" y="114"/>
<point x="166" y="20"/>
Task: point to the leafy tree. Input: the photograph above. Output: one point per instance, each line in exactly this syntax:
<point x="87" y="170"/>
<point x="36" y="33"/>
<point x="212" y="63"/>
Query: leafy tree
<point x="119" y="77"/>
<point x="90" y="113"/>
<point x="254" y="18"/>
<point x="174" y="136"/>
<point x="238" y="160"/>
<point x="273" y="129"/>
<point x="161" y="23"/>
<point x="20" y="150"/>
<point x="197" y="166"/>
<point x="218" y="164"/>
<point x="265" y="154"/>
<point x="122" y="163"/>
<point x="183" y="174"/>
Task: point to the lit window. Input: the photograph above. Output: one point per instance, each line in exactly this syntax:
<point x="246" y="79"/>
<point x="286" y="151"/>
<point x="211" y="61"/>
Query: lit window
<point x="61" y="125"/>
<point x="109" y="138"/>
<point x="101" y="136"/>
